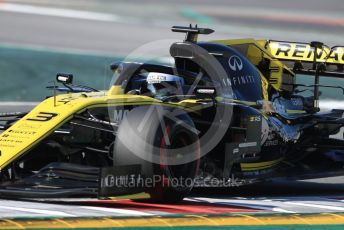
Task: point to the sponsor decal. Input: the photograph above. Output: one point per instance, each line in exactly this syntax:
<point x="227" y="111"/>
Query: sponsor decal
<point x="243" y="80"/>
<point x="119" y="115"/>
<point x="155" y="77"/>
<point x="7" y="146"/>
<point x="10" y="141"/>
<point x="120" y="180"/>
<point x="254" y="118"/>
<point x="235" y="63"/>
<point x="296" y="51"/>
<point x="29" y="126"/>
<point x="22" y="132"/>
<point x="112" y="181"/>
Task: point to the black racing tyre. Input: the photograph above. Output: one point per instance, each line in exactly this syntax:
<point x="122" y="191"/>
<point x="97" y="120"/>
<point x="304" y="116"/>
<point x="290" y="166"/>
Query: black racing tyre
<point x="165" y="143"/>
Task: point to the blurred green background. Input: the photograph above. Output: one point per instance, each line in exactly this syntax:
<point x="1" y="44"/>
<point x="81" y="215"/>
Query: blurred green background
<point x="26" y="72"/>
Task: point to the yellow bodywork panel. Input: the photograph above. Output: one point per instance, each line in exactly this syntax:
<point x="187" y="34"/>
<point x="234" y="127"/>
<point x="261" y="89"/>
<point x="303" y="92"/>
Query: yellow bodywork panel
<point x="265" y="86"/>
<point x="50" y="115"/>
<point x="276" y="75"/>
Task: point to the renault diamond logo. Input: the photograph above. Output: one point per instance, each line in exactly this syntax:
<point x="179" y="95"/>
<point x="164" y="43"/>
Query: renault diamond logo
<point x="235" y="63"/>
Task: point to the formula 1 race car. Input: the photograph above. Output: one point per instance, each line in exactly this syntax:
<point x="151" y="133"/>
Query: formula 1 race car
<point x="227" y="113"/>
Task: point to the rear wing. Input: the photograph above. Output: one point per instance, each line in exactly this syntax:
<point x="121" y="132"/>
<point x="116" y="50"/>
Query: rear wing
<point x="315" y="59"/>
<point x="300" y="56"/>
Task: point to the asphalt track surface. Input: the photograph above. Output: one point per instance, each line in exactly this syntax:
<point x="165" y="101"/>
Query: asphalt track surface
<point x="315" y="20"/>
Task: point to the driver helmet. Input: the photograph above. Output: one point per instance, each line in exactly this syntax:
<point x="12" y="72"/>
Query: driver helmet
<point x="164" y="85"/>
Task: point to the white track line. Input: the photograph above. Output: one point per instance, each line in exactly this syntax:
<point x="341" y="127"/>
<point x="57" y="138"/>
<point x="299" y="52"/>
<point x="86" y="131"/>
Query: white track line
<point x="119" y="211"/>
<point x="67" y="13"/>
<point x="37" y="211"/>
<point x="282" y="210"/>
<point x="327" y="207"/>
<point x="16" y="103"/>
<point x="240" y="203"/>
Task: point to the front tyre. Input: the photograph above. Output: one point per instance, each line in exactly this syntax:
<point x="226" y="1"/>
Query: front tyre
<point x="165" y="143"/>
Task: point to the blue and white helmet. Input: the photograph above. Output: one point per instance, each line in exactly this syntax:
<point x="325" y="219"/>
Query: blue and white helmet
<point x="162" y="85"/>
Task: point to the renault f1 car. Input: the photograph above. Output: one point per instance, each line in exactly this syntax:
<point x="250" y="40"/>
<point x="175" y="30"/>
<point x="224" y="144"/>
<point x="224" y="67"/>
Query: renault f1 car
<point x="227" y="113"/>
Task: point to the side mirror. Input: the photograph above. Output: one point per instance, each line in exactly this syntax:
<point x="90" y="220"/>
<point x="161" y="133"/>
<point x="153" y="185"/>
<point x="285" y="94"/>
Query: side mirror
<point x="114" y="66"/>
<point x="64" y="78"/>
<point x="205" y="92"/>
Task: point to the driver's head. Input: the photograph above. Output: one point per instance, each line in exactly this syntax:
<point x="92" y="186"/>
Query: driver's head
<point x="162" y="85"/>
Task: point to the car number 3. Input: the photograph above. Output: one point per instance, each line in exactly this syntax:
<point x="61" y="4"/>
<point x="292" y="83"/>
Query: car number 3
<point x="42" y="117"/>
